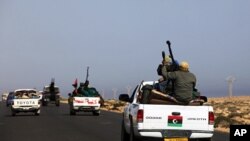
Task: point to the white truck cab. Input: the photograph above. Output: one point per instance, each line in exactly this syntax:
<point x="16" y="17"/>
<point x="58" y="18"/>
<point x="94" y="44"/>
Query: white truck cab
<point x="26" y="100"/>
<point x="171" y="122"/>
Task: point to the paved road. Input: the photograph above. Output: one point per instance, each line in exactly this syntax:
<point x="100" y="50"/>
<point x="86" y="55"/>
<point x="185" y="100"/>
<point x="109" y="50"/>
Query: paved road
<point x="55" y="124"/>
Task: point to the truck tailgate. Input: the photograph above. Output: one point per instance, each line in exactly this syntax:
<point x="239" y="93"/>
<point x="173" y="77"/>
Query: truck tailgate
<point x="86" y="101"/>
<point x="25" y="102"/>
<point x="176" y="117"/>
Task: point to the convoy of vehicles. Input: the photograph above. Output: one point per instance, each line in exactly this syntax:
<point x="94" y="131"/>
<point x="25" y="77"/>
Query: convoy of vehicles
<point x="26" y="100"/>
<point x="146" y="115"/>
<point x="160" y="119"/>
<point x="155" y="119"/>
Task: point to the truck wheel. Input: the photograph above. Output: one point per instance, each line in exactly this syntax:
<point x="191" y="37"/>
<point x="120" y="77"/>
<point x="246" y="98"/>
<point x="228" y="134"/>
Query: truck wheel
<point x="124" y="134"/>
<point x="131" y="135"/>
<point x="96" y="113"/>
<point x="44" y="103"/>
<point x="58" y="103"/>
<point x="72" y="112"/>
<point x="37" y="113"/>
<point x="13" y="113"/>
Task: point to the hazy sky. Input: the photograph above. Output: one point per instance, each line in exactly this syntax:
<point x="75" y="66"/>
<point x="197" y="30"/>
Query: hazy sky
<point x="121" y="41"/>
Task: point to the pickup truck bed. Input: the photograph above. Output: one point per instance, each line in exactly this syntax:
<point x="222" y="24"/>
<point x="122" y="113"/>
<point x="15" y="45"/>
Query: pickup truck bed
<point x="169" y="122"/>
<point x="29" y="103"/>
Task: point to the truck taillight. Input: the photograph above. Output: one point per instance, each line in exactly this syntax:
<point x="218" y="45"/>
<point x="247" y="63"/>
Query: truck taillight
<point x="140" y="116"/>
<point x="211" y="118"/>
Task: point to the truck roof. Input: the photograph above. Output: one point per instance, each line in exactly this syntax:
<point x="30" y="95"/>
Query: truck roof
<point x="49" y="86"/>
<point x="25" y="90"/>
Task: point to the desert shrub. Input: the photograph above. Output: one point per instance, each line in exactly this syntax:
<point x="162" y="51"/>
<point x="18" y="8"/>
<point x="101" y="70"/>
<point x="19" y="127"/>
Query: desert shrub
<point x="228" y="103"/>
<point x="235" y="122"/>
<point x="232" y="109"/>
<point x="248" y="110"/>
<point x="219" y="114"/>
<point x="232" y="115"/>
<point x="118" y="104"/>
<point x="212" y="102"/>
<point x="222" y="121"/>
<point x="222" y="106"/>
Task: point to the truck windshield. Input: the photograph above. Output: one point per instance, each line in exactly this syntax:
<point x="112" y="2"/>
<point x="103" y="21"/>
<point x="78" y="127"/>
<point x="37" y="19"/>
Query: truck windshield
<point x="25" y="94"/>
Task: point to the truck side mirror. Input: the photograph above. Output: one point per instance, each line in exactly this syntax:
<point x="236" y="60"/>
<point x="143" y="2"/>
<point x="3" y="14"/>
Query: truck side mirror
<point x="203" y="98"/>
<point x="40" y="97"/>
<point x="124" y="97"/>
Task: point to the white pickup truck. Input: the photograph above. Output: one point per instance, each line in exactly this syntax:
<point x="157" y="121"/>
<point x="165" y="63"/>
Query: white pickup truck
<point x="85" y="104"/>
<point x="26" y="100"/>
<point x="168" y="121"/>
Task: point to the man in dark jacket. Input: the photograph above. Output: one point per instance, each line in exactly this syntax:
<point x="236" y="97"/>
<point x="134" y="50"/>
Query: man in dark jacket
<point x="164" y="84"/>
<point x="184" y="82"/>
<point x="82" y="90"/>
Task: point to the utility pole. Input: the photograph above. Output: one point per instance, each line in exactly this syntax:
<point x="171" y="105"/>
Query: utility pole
<point x="230" y="80"/>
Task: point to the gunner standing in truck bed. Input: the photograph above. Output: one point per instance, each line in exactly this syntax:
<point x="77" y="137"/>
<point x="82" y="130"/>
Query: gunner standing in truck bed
<point x="184" y="83"/>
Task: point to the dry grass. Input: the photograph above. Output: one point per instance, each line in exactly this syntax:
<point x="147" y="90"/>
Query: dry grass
<point x="230" y="111"/>
<point x="113" y="105"/>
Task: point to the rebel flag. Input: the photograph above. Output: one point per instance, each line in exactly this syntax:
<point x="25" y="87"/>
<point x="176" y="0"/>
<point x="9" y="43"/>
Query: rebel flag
<point x="75" y="84"/>
<point x="175" y="121"/>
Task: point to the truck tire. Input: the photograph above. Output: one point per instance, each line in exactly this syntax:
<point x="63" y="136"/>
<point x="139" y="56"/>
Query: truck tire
<point x="124" y="134"/>
<point x="57" y="103"/>
<point x="131" y="135"/>
<point x="72" y="112"/>
<point x="44" y="103"/>
<point x="13" y="113"/>
<point x="37" y="113"/>
<point x="96" y="113"/>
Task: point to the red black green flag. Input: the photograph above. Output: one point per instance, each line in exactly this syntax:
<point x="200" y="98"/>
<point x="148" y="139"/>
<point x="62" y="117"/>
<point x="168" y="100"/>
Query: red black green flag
<point x="175" y="121"/>
<point x="75" y="83"/>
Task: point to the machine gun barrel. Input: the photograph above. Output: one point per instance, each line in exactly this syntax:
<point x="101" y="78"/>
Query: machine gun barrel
<point x="87" y="75"/>
<point x="174" y="63"/>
